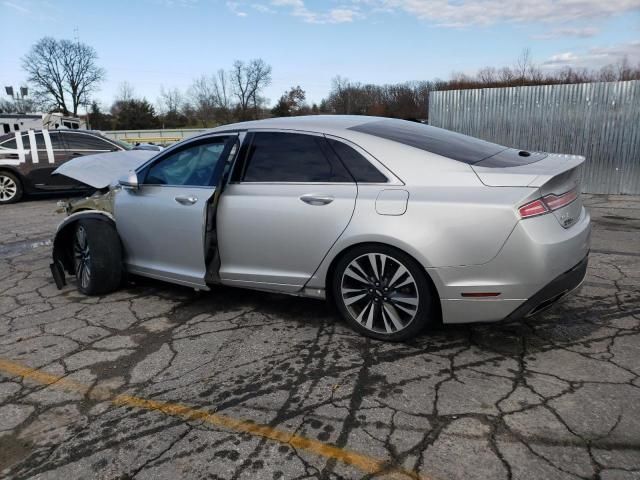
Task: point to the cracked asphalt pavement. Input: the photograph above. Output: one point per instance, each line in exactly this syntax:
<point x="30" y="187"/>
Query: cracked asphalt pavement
<point x="158" y="381"/>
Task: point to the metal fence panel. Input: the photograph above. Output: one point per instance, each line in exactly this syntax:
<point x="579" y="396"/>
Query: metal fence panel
<point x="598" y="120"/>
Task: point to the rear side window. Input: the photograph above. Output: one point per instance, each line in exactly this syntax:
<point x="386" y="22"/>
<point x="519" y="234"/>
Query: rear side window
<point x="292" y="157"/>
<point x="40" y="145"/>
<point x="80" y="141"/>
<point x="359" y="167"/>
<point x="57" y="142"/>
<point x="432" y="139"/>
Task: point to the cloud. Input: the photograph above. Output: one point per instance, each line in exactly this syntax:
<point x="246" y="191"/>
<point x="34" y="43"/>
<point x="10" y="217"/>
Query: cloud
<point x="16" y="7"/>
<point x="459" y="13"/>
<point x="585" y="32"/>
<point x="297" y="8"/>
<point x="262" y="8"/>
<point x="235" y="9"/>
<point x="595" y="57"/>
<point x="487" y="12"/>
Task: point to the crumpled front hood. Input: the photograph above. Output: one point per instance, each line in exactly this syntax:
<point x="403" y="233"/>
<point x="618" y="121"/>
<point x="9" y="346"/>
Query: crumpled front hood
<point x="102" y="169"/>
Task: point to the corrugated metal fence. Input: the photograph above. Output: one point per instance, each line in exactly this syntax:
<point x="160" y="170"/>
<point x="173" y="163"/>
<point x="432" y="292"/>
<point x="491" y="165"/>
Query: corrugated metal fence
<point x="598" y="120"/>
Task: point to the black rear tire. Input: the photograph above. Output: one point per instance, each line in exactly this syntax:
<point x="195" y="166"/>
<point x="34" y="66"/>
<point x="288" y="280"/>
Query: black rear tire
<point x="97" y="257"/>
<point x="394" y="294"/>
<point x="11" y="190"/>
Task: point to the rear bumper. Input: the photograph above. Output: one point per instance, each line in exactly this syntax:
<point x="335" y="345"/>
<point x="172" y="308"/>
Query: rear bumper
<point x="552" y="292"/>
<point x="539" y="261"/>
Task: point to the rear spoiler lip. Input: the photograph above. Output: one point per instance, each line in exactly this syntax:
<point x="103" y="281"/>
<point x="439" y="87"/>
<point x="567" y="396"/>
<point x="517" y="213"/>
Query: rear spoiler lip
<point x="532" y="175"/>
<point x="572" y="161"/>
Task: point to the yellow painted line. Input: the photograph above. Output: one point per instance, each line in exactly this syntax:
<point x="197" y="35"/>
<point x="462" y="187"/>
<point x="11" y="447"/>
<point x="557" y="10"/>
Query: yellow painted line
<point x="362" y="462"/>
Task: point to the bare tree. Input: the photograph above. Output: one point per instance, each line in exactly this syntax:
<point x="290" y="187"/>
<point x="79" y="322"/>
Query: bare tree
<point x="202" y="98"/>
<point x="222" y="95"/>
<point x="247" y="81"/>
<point x="63" y="71"/>
<point x="125" y="92"/>
<point x="170" y="100"/>
<point x="524" y="64"/>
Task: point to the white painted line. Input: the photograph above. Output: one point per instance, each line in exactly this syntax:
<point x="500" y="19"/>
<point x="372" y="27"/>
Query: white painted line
<point x="47" y="144"/>
<point x="34" y="147"/>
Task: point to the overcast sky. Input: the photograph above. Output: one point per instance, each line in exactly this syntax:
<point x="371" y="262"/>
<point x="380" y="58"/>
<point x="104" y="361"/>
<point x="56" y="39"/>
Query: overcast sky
<point x="154" y="43"/>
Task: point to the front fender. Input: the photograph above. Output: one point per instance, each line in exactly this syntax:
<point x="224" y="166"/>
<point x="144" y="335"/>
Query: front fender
<point x="62" y="254"/>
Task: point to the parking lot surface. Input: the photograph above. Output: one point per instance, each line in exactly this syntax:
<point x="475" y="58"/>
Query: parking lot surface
<point x="158" y="381"/>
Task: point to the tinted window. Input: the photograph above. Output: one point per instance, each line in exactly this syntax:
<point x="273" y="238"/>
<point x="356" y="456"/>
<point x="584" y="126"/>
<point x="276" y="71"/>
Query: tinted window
<point x="359" y="167"/>
<point x="194" y="165"/>
<point x="9" y="143"/>
<point x="80" y="141"/>
<point x="435" y="140"/>
<point x="39" y="141"/>
<point x="292" y="157"/>
<point x="56" y="141"/>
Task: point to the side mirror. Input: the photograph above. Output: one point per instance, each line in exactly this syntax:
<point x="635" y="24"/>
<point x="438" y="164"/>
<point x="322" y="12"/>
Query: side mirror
<point x="130" y="181"/>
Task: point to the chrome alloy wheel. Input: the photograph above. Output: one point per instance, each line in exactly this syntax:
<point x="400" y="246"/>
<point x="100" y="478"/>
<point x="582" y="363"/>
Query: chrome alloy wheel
<point x="8" y="188"/>
<point x="380" y="293"/>
<point x="82" y="257"/>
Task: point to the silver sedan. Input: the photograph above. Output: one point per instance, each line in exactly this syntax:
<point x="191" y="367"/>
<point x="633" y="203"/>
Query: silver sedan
<point x="400" y="224"/>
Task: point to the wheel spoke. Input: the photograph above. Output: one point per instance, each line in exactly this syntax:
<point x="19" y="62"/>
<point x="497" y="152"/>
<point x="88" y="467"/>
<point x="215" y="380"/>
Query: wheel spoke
<point x="387" y="326"/>
<point x="403" y="299"/>
<point x="361" y="316"/>
<point x="374" y="266"/>
<point x="394" y="316"/>
<point x="354" y="299"/>
<point x="353" y="290"/>
<point x="352" y="273"/>
<point x="383" y="261"/>
<point x="396" y="276"/>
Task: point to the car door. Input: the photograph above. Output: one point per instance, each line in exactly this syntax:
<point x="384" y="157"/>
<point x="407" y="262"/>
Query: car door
<point x="162" y="223"/>
<point x="288" y="201"/>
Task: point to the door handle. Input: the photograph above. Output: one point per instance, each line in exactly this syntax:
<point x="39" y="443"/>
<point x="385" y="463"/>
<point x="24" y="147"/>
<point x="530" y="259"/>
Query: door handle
<point x="315" y="199"/>
<point x="186" y="200"/>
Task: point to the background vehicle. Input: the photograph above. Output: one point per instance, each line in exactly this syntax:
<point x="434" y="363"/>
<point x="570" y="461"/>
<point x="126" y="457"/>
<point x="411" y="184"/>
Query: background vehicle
<point x="397" y="222"/>
<point x="27" y="159"/>
<point x="22" y="122"/>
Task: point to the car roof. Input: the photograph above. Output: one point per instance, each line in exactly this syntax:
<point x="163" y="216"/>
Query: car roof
<point x="39" y="130"/>
<point x="330" y="124"/>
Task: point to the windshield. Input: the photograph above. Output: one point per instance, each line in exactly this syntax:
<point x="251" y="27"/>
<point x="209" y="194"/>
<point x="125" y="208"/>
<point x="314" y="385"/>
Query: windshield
<point x="124" y="145"/>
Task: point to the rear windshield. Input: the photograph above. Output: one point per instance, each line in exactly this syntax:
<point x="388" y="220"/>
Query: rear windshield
<point x="432" y="139"/>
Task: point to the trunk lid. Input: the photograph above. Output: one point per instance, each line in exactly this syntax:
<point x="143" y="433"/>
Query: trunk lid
<point x="552" y="174"/>
<point x="100" y="170"/>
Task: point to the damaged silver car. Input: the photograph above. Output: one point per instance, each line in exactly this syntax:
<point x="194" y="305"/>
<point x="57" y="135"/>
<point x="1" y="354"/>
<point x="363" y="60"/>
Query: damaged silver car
<point x="400" y="224"/>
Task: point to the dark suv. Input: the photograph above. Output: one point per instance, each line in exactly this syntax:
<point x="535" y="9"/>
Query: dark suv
<point x="27" y="159"/>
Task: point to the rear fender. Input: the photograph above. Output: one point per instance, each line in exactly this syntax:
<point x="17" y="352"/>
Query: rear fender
<point x="62" y="255"/>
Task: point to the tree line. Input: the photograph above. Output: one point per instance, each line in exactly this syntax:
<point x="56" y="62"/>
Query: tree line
<point x="64" y="75"/>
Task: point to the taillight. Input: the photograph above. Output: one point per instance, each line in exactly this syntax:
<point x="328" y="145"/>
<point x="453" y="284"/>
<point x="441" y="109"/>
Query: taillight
<point x="547" y="204"/>
<point x="555" y="202"/>
<point x="532" y="209"/>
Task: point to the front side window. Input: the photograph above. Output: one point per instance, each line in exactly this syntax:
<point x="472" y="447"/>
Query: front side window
<point x="292" y="157"/>
<point x="194" y="165"/>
